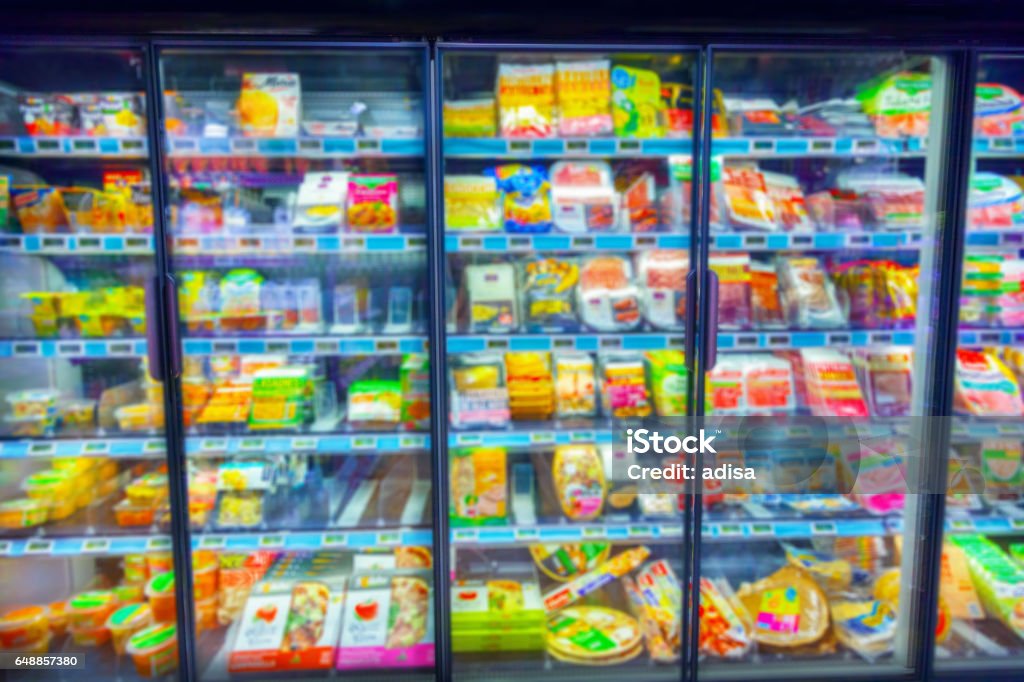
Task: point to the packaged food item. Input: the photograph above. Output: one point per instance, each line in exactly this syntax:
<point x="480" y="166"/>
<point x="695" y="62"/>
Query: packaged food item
<point x="154" y="650"/>
<point x="127" y="514"/>
<point x="807" y="293"/>
<point x="320" y="204"/>
<point x="491" y="293"/>
<point x="667" y="372"/>
<point x="281" y="398"/>
<point x="984" y="386"/>
<point x="375" y="402"/>
<point x="955" y="586"/>
<point x="787" y="609"/>
<point x="722" y="632"/>
<point x="236" y="575"/>
<point x="619" y="565"/>
<point x="530" y="387"/>
<point x="204" y="575"/>
<point x="39" y="210"/>
<point x="113" y="114"/>
<point x="583" y="91"/>
<point x="755" y="116"/>
<point x="23" y="626"/>
<point x="995" y="202"/>
<point x="270" y="104"/>
<point x="565" y="562"/>
<point x="733" y="270"/>
<point x="479" y="486"/>
<point x="583" y="197"/>
<point x="497" y="615"/>
<point x="125" y="622"/>
<point x="574" y="385"/>
<point x="526" y="100"/>
<point x="547" y="291"/>
<point x="747" y="202"/>
<point x="998" y="581"/>
<point x="92" y="637"/>
<point x="58" y="618"/>
<point x="525" y="197"/>
<point x="766" y="307"/>
<point x="414" y="381"/>
<point x="161" y="597"/>
<point x="899" y="104"/>
<point x="472" y="203"/>
<point x="831" y="384"/>
<point x="879" y="294"/>
<point x="47" y="115"/>
<point x="636" y="102"/>
<point x="788" y="201"/>
<point x="624" y="387"/>
<point x="470" y="118"/>
<point x="90" y="610"/>
<point x="865" y="626"/>
<point x="578" y="474"/>
<point x="159" y="562"/>
<point x="998" y="110"/>
<point x="834" y="575"/>
<point x="1008" y="310"/>
<point x="23" y="513"/>
<point x="593" y="635"/>
<point x="205" y="614"/>
<point x="387" y="623"/>
<point x="372" y="203"/>
<point x="726" y="385"/>
<point x="885" y="374"/>
<point x="768" y="384"/>
<point x="33" y="403"/>
<point x="240" y="509"/>
<point x="479" y="394"/>
<point x="607" y="298"/>
<point x="636" y="185"/>
<point x="980" y="288"/>
<point x="662" y="279"/>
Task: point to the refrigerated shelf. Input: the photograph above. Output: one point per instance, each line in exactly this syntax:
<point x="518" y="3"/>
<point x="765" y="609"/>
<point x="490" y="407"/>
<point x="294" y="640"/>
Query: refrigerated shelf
<point x="998" y="146"/>
<point x="335" y="346"/>
<point x="96" y="545"/>
<point x="670" y="531"/>
<point x="294" y="147"/>
<point x="774" y="529"/>
<point x="582" y="342"/>
<point x="76" y="244"/>
<point x="105" y="348"/>
<point x="126" y="448"/>
<point x="493" y="147"/>
<point x="77" y="147"/>
<point x="358" y="443"/>
<point x="298" y="540"/>
<point x="259" y="245"/>
<point x="816" y="146"/>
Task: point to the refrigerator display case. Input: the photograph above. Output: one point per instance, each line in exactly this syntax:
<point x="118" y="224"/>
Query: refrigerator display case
<point x="822" y="211"/>
<point x="567" y="224"/>
<point x="85" y="548"/>
<point x="297" y="226"/>
<point x="981" y="591"/>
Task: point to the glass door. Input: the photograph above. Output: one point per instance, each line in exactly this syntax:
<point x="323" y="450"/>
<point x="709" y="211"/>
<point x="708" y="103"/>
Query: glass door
<point x="296" y="208"/>
<point x="84" y="548"/>
<point x="982" y="591"/>
<point x="567" y="180"/>
<point x="822" y="213"/>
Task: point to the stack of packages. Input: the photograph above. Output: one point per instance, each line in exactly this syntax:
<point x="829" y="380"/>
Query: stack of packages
<point x="530" y="385"/>
<point x="497" y="615"/>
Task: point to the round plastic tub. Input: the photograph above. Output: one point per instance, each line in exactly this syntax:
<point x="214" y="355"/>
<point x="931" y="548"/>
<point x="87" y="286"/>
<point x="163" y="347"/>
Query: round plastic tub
<point x="154" y="650"/>
<point x="160" y="593"/>
<point x="60" y="508"/>
<point x="90" y="636"/>
<point x="129" y="593"/>
<point x="49" y="484"/>
<point x="23" y="513"/>
<point x="147" y="490"/>
<point x="159" y="562"/>
<point x="128" y="514"/>
<point x="125" y="622"/>
<point x="206" y="614"/>
<point x="23" y="625"/>
<point x="204" y="575"/>
<point x="136" y="568"/>
<point x="39" y="646"/>
<point x="58" y="616"/>
<point x="90" y="610"/>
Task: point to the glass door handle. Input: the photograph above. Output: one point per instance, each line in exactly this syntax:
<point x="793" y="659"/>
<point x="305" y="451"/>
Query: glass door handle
<point x="690" y="292"/>
<point x="711" y="347"/>
<point x="173" y="335"/>
<point x="170" y="305"/>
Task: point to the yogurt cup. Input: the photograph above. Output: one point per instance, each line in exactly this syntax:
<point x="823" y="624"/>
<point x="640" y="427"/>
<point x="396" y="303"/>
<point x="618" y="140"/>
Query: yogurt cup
<point x="90" y="610"/>
<point x="22" y="626"/>
<point x="154" y="650"/>
<point x="90" y="636"/>
<point x="160" y="593"/>
<point x="125" y="622"/>
<point x="58" y="618"/>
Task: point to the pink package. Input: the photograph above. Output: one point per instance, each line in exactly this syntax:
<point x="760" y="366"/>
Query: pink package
<point x="387" y="622"/>
<point x="733" y="272"/>
<point x="831" y="383"/>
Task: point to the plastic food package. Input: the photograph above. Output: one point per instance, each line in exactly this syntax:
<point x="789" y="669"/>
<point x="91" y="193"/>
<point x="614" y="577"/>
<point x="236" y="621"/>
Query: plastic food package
<point x="161" y="596"/>
<point x="866" y="627"/>
<point x="655" y="602"/>
<point x="472" y="203"/>
<point x="530" y="388"/>
<point x="879" y="294"/>
<point x="807" y="293"/>
<point x="270" y="104"/>
<point x="624" y="387"/>
<point x="831" y="384"/>
<point x="662" y="280"/>
<point x="414" y="377"/>
<point x="768" y="384"/>
<point x="575" y="384"/>
<point x="548" y="294"/>
<point x="725" y="385"/>
<point x="40" y="210"/>
<point x="373" y="204"/>
<point x="321" y="201"/>
<point x="764" y="295"/>
<point x="23" y="513"/>
<point x="387" y="623"/>
<point x="47" y="115"/>
<point x="998" y="580"/>
<point x="637" y="187"/>
<point x="891" y="201"/>
<point x="565" y="562"/>
<point x="607" y="298"/>
<point x="22" y="627"/>
<point x="583" y="197"/>
<point x="479" y="393"/>
<point x="885" y="374"/>
<point x="619" y="565"/>
<point x="722" y="633"/>
<point x="836" y="209"/>
<point x="996" y="202"/>
<point x="583" y="90"/>
<point x="980" y="288"/>
<point x="787" y="609"/>
<point x="787" y="198"/>
<point x="898" y="104"/>
<point x="375" y="403"/>
<point x="491" y="293"/>
<point x="114" y="114"/>
<point x="125" y="622"/>
<point x="755" y="116"/>
<point x="733" y="270"/>
<point x="479" y="486"/>
<point x="497" y="615"/>
<point x="89" y="610"/>
<point x="832" y="574"/>
<point x="570" y="629"/>
<point x="470" y="118"/>
<point x="1008" y="310"/>
<point x="526" y="100"/>
<point x="667" y="372"/>
<point x="984" y="386"/>
<point x="240" y="509"/>
<point x="525" y="197"/>
<point x="154" y="650"/>
<point x="578" y="473"/>
<point x="636" y="102"/>
<point x="998" y="110"/>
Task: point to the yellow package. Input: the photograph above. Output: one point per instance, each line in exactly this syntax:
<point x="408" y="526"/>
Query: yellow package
<point x="472" y="202"/>
<point x="579" y="478"/>
<point x="526" y="100"/>
<point x="479" y="486"/>
<point x="636" y="102"/>
<point x="470" y="118"/>
<point x="270" y="104"/>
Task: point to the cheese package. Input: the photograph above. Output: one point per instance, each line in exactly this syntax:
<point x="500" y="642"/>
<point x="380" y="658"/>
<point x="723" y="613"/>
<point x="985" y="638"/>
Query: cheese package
<point x="479" y="486"/>
<point x="583" y="197"/>
<point x="831" y="384"/>
<point x="998" y="111"/>
<point x="575" y="385"/>
<point x="662" y="279"/>
<point x="866" y="627"/>
<point x="984" y="386"/>
<point x="497" y="615"/>
<point x="607" y="298"/>
<point x="526" y="100"/>
<point x="747" y="202"/>
<point x="667" y="373"/>
<point x="478" y="390"/>
<point x="565" y="562"/>
<point x="583" y="91"/>
<point x="579" y="478"/>
<point x="320" y="205"/>
<point x="636" y="102"/>
<point x="885" y="375"/>
<point x="956" y="587"/>
<point x="807" y="293"/>
<point x="995" y="203"/>
<point x="472" y="203"/>
<point x="786" y="609"/>
<point x="623" y="387"/>
<point x="998" y="580"/>
<point x="270" y="104"/>
<point x="733" y="271"/>
<point x="387" y="622"/>
<point x="491" y="293"/>
<point x="722" y="632"/>
<point x="619" y="565"/>
<point x="530" y="388"/>
<point x="548" y="286"/>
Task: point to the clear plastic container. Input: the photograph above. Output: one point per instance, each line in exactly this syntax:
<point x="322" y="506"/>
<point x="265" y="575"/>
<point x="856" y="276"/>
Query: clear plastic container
<point x="49" y="484"/>
<point x="90" y="610"/>
<point x="160" y="593"/>
<point x="58" y="618"/>
<point x="159" y="562"/>
<point x="204" y="575"/>
<point x="23" y="513"/>
<point x="128" y="514"/>
<point x="125" y="622"/>
<point x="22" y="626"/>
<point x="154" y="650"/>
<point x="90" y="636"/>
<point x="206" y="614"/>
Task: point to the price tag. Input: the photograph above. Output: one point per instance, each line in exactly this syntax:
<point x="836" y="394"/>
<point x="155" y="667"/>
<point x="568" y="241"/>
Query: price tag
<point x="389" y="538"/>
<point x="252" y="445"/>
<point x="629" y="146"/>
<point x="673" y="531"/>
<point x="639" y="531"/>
<point x="577" y="146"/>
<point x="645" y="242"/>
<point x="96" y="545"/>
<point x="520" y="243"/>
<point x="42" y="449"/>
<point x="497" y="344"/>
<point x="411" y="442"/>
<point x="676" y="341"/>
<point x="25" y="349"/>
<point x="94" y="448"/>
<point x="5" y="548"/>
<point x="611" y="342"/>
<point x="326" y="348"/>
<point x="48" y="146"/>
<point x="364" y="443"/>
<point x="311" y="146"/>
<point x="91" y="244"/>
<point x="527" y="534"/>
<point x="387" y="346"/>
<point x="468" y="439"/>
<point x="520" y="147"/>
<point x="303" y="444"/>
<point x="763" y="146"/>
<point x="542" y="437"/>
<point x="212" y="542"/>
<point x="464" y="535"/>
<point x="705" y="529"/>
<point x="69" y="350"/>
<point x="470" y="243"/>
<point x="881" y="338"/>
<point x="368" y="146"/>
<point x="563" y="343"/>
<point x="86" y="146"/>
<point x="582" y="242"/>
<point x="754" y="241"/>
<point x="839" y="339"/>
<point x="240" y="145"/>
<point x="39" y="547"/>
<point x="7" y="145"/>
<point x="762" y="529"/>
<point x="213" y="444"/>
<point x="271" y="541"/>
<point x="129" y="146"/>
<point x="158" y="544"/>
<point x="775" y="340"/>
<point x="823" y="146"/>
<point x="823" y="528"/>
<point x="865" y="146"/>
<point x="415" y="243"/>
<point x="1017" y="524"/>
<point x="582" y="436"/>
<point x="730" y="530"/>
<point x="153" y="446"/>
<point x="1001" y="144"/>
<point x="334" y="540"/>
<point x="593" y="532"/>
<point x="55" y="243"/>
<point x="962" y="524"/>
<point x="119" y="348"/>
